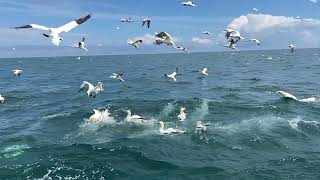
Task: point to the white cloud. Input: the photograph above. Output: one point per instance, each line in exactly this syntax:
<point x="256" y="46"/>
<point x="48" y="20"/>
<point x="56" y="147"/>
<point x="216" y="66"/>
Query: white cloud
<point x="313" y="1"/>
<point x="201" y="41"/>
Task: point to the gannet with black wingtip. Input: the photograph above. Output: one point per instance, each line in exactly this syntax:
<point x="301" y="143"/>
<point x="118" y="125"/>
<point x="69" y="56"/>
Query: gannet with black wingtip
<point x="134" y="43"/>
<point x="54" y="33"/>
<point x="255" y="41"/>
<point x="291" y="46"/>
<point x="235" y="35"/>
<point x="201" y="127"/>
<point x="228" y="32"/>
<point x="80" y="45"/>
<point x="232" y="45"/>
<point x="172" y="75"/>
<point x="182" y="115"/>
<point x="204" y="71"/>
<point x="188" y="4"/>
<point x="136" y="119"/>
<point x="127" y="20"/>
<point x="117" y="76"/>
<point x="164" y="37"/>
<point x="17" y="72"/>
<point x="91" y="90"/>
<point x="207" y="33"/>
<point x="169" y="131"/>
<point x="1" y="99"/>
<point x="146" y="22"/>
<point x="183" y="49"/>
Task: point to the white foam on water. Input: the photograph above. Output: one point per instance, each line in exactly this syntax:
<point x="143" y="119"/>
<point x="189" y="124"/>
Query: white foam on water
<point x="199" y="113"/>
<point x="56" y="115"/>
<point x="167" y="109"/>
<point x="13" y="151"/>
<point x="308" y="100"/>
<point x="104" y="119"/>
<point x="296" y="123"/>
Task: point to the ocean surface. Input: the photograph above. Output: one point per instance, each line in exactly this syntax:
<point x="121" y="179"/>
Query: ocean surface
<point x="253" y="132"/>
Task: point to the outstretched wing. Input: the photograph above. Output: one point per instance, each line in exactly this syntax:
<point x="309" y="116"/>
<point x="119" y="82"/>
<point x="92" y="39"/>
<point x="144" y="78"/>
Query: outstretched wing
<point x="69" y="26"/>
<point x="33" y="26"/>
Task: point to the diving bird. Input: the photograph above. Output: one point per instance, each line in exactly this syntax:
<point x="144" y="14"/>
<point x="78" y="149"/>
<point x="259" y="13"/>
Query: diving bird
<point x="54" y="33"/>
<point x="117" y="76"/>
<point x="17" y="72"/>
<point x="182" y="115"/>
<point x="183" y="49"/>
<point x="204" y="71"/>
<point x="188" y="3"/>
<point x="291" y="46"/>
<point x="165" y="38"/>
<point x="228" y="32"/>
<point x="80" y="45"/>
<point x="1" y="99"/>
<point x="169" y="131"/>
<point x="146" y="22"/>
<point x="232" y="45"/>
<point x="172" y="75"/>
<point x="127" y="20"/>
<point x="255" y="41"/>
<point x="135" y="43"/>
<point x="200" y="126"/>
<point x="96" y="117"/>
<point x="92" y="91"/>
<point x="207" y="33"/>
<point x="136" y="119"/>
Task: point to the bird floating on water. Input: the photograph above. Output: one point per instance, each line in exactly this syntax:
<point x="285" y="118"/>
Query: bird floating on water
<point x="291" y="47"/>
<point x="81" y="44"/>
<point x="182" y="115"/>
<point x="54" y="33"/>
<point x="172" y="75"/>
<point x="169" y="131"/>
<point x="92" y="91"/>
<point x="17" y="72"/>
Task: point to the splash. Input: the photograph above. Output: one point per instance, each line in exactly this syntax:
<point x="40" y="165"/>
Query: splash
<point x="104" y="119"/>
<point x="300" y="125"/>
<point x="13" y="151"/>
<point x="56" y="115"/>
<point x="201" y="112"/>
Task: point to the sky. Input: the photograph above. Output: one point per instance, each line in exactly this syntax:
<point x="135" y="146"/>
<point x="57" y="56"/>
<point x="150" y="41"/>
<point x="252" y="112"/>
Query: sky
<point x="274" y="24"/>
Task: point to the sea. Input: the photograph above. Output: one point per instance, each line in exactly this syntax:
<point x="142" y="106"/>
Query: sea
<point x="252" y="133"/>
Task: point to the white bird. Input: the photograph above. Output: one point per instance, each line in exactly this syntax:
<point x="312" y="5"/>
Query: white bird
<point x="169" y="131"/>
<point x="127" y="20"/>
<point x="201" y="127"/>
<point x="182" y="116"/>
<point x="183" y="49"/>
<point x="228" y="32"/>
<point x="287" y="95"/>
<point x="17" y="72"/>
<point x="291" y="46"/>
<point x="78" y="58"/>
<point x="96" y="117"/>
<point x="134" y="43"/>
<point x="54" y="33"/>
<point x="92" y="91"/>
<point x="164" y="37"/>
<point x="188" y="3"/>
<point x="80" y="45"/>
<point x="207" y="33"/>
<point x="232" y="45"/>
<point x="236" y="36"/>
<point x="117" y="76"/>
<point x="255" y="9"/>
<point x="146" y="22"/>
<point x="136" y="119"/>
<point x="1" y="99"/>
<point x="172" y="75"/>
<point x="255" y="41"/>
<point x="204" y="71"/>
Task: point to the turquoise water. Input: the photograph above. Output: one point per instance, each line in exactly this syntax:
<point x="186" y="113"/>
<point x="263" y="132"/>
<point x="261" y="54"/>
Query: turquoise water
<point x="253" y="132"/>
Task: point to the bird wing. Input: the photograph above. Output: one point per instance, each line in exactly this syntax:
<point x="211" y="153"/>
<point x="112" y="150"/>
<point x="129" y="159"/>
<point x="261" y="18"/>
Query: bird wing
<point x="148" y="23"/>
<point x="83" y="39"/>
<point x="138" y="41"/>
<point x="34" y="26"/>
<point x="69" y="26"/>
<point x="143" y="22"/>
<point x="162" y="35"/>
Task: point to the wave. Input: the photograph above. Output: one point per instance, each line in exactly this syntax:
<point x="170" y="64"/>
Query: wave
<point x="56" y="115"/>
<point x="300" y="125"/>
<point x="13" y="151"/>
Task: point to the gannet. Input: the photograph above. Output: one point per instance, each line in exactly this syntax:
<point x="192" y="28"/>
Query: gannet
<point x="204" y="71"/>
<point x="232" y="45"/>
<point x="164" y="37"/>
<point x="78" y="58"/>
<point x="17" y="72"/>
<point x="207" y="33"/>
<point x="134" y="118"/>
<point x="182" y="116"/>
<point x="188" y="3"/>
<point x="291" y="46"/>
<point x="146" y="22"/>
<point x="96" y="117"/>
<point x="134" y="43"/>
<point x="127" y="20"/>
<point x="255" y="41"/>
<point x="201" y="127"/>
<point x="1" y="99"/>
<point x="290" y="96"/>
<point x="236" y="36"/>
<point x="228" y="32"/>
<point x="80" y="45"/>
<point x="172" y="75"/>
<point x="183" y="49"/>
<point x="169" y="131"/>
<point x="92" y="91"/>
<point x="54" y="33"/>
<point x="117" y="76"/>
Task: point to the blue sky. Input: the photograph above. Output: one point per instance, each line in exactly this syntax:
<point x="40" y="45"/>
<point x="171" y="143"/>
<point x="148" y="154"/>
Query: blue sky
<point x="185" y="24"/>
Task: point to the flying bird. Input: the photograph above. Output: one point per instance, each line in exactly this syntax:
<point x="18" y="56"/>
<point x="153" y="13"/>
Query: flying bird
<point x="255" y="41"/>
<point x="204" y="71"/>
<point x="136" y="119"/>
<point x="127" y="20"/>
<point x="146" y="22"/>
<point x="228" y="32"/>
<point x="135" y="43"/>
<point x="80" y="45"/>
<point x="207" y="33"/>
<point x="117" y="76"/>
<point x="164" y="38"/>
<point x="183" y="49"/>
<point x="291" y="46"/>
<point x="232" y="45"/>
<point x="91" y="90"/>
<point x="188" y="3"/>
<point x="17" y="72"/>
<point x="54" y="33"/>
<point x="172" y="75"/>
<point x="236" y="36"/>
